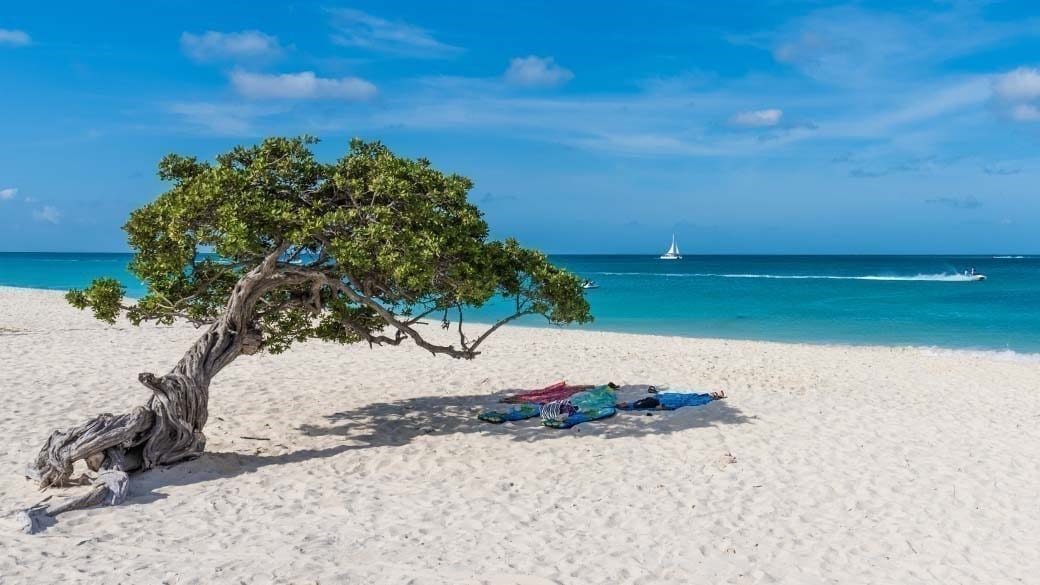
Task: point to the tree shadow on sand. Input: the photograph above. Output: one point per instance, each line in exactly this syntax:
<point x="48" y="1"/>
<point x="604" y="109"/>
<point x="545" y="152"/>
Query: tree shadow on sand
<point x="397" y="423"/>
<point x="389" y="424"/>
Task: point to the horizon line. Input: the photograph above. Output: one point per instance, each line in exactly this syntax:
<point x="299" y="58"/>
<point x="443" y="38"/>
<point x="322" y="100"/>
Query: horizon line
<point x="650" y="254"/>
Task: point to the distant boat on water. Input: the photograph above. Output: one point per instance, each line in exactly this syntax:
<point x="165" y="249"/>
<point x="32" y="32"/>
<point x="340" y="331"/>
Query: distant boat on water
<point x="673" y="251"/>
<point x="974" y="276"/>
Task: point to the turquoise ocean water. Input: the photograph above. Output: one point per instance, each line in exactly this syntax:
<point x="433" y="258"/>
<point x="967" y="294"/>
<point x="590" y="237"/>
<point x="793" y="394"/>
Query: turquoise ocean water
<point x="883" y="300"/>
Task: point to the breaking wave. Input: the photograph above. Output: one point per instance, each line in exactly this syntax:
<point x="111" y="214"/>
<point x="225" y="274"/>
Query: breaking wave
<point x="942" y="277"/>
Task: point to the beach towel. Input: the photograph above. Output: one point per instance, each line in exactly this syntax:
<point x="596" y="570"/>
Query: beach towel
<point x="516" y="412"/>
<point x="667" y="401"/>
<point x="557" y="391"/>
<point x="582" y="406"/>
<point x="592" y="404"/>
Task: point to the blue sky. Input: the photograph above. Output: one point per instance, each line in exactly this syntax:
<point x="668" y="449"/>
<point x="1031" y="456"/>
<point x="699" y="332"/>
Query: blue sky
<point x="744" y="127"/>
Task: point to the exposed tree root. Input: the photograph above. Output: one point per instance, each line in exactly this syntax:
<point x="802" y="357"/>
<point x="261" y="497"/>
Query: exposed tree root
<point x="167" y="430"/>
<point x="110" y="487"/>
<point x="112" y="446"/>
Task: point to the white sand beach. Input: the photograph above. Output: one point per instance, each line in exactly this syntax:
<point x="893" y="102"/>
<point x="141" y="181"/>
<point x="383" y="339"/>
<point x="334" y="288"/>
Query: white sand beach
<point x="333" y="464"/>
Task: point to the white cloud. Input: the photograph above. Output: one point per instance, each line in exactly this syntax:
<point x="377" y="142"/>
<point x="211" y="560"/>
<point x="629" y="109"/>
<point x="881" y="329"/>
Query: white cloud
<point x="912" y="109"/>
<point x="1017" y="94"/>
<point x="14" y="38"/>
<point x="8" y="194"/>
<point x="757" y="118"/>
<point x="1022" y="84"/>
<point x="355" y="28"/>
<point x="537" y="72"/>
<point x="304" y="85"/>
<point x="217" y="46"/>
<point x="47" y="213"/>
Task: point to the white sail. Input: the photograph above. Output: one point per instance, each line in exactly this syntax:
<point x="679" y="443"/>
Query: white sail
<point x="673" y="251"/>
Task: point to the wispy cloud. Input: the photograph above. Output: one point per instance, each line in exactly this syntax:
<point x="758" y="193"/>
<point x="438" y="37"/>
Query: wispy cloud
<point x="969" y="202"/>
<point x="301" y="86"/>
<point x="854" y="47"/>
<point x="535" y="71"/>
<point x="220" y="46"/>
<point x="1001" y="169"/>
<point x="1017" y="94"/>
<point x="8" y="194"/>
<point x="14" y="38"/>
<point x="622" y="124"/>
<point x="354" y="28"/>
<point x="890" y="104"/>
<point x="230" y="119"/>
<point x="757" y="118"/>
<point x="925" y="164"/>
<point x="48" y="214"/>
<point x="843" y="45"/>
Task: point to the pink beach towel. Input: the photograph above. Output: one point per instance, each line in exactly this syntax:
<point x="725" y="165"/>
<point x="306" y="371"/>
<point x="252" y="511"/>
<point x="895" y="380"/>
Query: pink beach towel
<point x="557" y="391"/>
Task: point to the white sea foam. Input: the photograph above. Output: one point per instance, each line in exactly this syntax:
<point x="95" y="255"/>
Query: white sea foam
<point x="942" y="277"/>
<point x="1002" y="355"/>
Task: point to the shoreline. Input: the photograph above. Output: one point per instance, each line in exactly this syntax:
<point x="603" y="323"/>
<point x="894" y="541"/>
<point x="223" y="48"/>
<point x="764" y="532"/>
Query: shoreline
<point x="963" y="352"/>
<point x="339" y="464"/>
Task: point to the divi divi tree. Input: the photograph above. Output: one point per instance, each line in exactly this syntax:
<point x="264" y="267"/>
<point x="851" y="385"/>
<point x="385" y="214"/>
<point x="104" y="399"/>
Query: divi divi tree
<point x="362" y="250"/>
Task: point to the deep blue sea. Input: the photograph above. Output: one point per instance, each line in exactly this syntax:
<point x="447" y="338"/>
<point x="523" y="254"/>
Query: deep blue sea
<point x="885" y="300"/>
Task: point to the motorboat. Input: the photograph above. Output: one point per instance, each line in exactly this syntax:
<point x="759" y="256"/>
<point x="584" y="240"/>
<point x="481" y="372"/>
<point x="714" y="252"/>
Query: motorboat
<point x="973" y="276"/>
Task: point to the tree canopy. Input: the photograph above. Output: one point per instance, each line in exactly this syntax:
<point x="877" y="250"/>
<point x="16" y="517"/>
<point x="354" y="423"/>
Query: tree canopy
<point x="360" y="249"/>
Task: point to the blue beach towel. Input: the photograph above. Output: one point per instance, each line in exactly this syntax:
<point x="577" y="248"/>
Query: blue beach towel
<point x="520" y="411"/>
<point x="667" y="401"/>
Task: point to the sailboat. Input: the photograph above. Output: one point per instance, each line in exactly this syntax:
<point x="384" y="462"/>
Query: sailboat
<point x="673" y="252"/>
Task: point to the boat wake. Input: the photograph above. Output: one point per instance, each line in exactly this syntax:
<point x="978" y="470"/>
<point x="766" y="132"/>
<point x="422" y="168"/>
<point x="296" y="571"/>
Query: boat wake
<point x="943" y="277"/>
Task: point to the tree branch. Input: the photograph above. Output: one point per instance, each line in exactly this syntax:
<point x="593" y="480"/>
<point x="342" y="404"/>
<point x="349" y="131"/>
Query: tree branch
<point x="352" y="289"/>
<point x="495" y="327"/>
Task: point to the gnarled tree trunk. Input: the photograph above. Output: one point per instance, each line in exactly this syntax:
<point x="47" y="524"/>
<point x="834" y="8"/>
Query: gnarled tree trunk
<point x="168" y="428"/>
